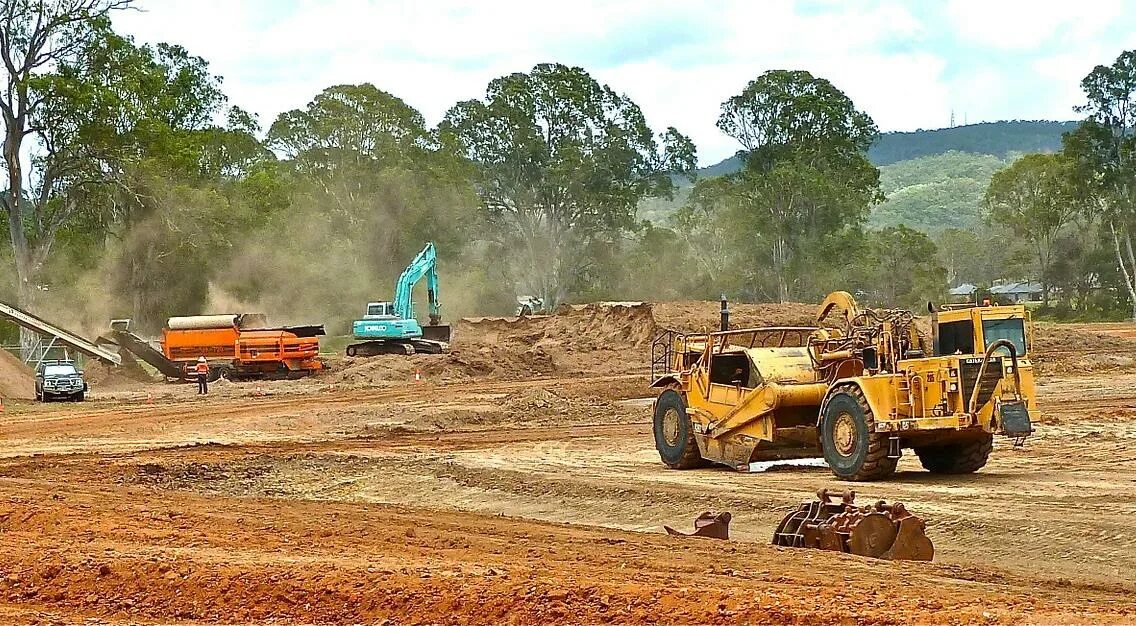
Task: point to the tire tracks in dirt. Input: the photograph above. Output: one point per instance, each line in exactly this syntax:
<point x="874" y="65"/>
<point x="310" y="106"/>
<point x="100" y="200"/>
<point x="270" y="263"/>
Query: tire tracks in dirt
<point x="78" y="421"/>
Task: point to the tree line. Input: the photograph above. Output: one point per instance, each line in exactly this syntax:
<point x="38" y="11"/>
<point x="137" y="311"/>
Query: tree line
<point x="1071" y="212"/>
<point x="126" y="196"/>
<point x="133" y="189"/>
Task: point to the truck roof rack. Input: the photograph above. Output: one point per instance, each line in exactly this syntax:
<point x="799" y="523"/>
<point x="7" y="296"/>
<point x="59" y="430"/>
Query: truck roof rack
<point x="58" y="362"/>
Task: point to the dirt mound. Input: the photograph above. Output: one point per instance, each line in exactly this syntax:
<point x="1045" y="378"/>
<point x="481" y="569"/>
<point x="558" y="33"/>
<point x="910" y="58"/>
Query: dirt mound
<point x="705" y="316"/>
<point x="129" y="374"/>
<point x="605" y="337"/>
<point x="595" y="339"/>
<point x="463" y="362"/>
<point x="16" y="379"/>
<point x="615" y="337"/>
<point x="574" y="327"/>
<point x="1050" y="337"/>
<point x="604" y="325"/>
<point x="1069" y="349"/>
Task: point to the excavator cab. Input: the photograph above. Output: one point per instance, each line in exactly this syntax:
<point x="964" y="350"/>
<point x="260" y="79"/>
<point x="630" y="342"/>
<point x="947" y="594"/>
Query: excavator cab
<point x="380" y="311"/>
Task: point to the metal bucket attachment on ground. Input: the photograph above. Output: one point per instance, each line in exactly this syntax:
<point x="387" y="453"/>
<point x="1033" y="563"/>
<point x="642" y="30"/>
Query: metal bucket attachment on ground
<point x="834" y="522"/>
<point x="436" y="332"/>
<point x="712" y="525"/>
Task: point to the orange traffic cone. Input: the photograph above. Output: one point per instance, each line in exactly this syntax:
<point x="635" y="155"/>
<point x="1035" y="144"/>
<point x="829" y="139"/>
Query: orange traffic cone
<point x="418" y="376"/>
<point x="1" y="405"/>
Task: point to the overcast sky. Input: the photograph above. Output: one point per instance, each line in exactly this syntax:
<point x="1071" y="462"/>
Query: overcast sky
<point x="908" y="64"/>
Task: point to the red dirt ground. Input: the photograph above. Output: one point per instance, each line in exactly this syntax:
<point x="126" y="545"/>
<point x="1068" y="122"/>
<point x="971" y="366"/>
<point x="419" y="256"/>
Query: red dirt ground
<point x="520" y="496"/>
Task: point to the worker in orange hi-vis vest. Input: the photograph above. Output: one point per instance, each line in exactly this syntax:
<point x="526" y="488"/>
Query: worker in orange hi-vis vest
<point x="202" y="371"/>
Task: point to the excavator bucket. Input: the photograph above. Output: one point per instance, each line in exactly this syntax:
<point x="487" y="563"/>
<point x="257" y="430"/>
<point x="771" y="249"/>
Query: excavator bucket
<point x="436" y="332"/>
<point x="712" y="525"/>
<point x="834" y="522"/>
<point x="911" y="542"/>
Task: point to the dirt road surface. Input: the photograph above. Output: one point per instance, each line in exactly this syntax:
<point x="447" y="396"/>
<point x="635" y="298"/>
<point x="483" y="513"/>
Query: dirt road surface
<point x="497" y="499"/>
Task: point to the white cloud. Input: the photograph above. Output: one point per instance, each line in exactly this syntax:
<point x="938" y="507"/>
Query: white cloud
<point x="1029" y="24"/>
<point x="1007" y="24"/>
<point x="907" y="64"/>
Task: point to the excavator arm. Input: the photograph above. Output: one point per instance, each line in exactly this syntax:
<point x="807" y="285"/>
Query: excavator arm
<point x="432" y="294"/>
<point x="425" y="265"/>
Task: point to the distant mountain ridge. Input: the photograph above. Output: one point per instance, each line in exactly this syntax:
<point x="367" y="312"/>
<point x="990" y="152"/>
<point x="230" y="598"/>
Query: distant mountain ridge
<point x="1000" y="139"/>
<point x="933" y="179"/>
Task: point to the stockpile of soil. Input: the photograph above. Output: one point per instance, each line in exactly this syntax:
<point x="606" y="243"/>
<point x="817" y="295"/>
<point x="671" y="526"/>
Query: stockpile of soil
<point x="706" y="316"/>
<point x="615" y="337"/>
<point x="598" y="338"/>
<point x="17" y="381"/>
<point x="129" y="374"/>
<point x="624" y="325"/>
<point x="462" y="363"/>
<point x="1059" y="349"/>
<point x="574" y="327"/>
<point x="603" y="325"/>
<point x="591" y="339"/>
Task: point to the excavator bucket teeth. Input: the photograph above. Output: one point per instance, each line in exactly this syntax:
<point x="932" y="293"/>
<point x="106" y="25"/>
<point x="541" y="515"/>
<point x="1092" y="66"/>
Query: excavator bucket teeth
<point x="711" y="525"/>
<point x="872" y="536"/>
<point x="436" y="332"/>
<point x="911" y="542"/>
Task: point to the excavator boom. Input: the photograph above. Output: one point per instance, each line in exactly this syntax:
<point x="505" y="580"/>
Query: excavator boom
<point x="424" y="265"/>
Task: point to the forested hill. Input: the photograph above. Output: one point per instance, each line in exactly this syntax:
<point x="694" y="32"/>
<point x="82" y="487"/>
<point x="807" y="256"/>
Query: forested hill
<point x="933" y="179"/>
<point x="994" y="138"/>
<point x="931" y="193"/>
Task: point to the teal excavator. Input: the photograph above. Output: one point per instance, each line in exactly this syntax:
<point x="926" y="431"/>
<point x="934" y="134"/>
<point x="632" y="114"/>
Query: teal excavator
<point x="389" y="327"/>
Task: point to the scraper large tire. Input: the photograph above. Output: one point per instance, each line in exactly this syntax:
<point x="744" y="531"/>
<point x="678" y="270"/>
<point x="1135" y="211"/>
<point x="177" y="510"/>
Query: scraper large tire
<point x="852" y="448"/>
<point x="964" y="457"/>
<point x="674" y="437"/>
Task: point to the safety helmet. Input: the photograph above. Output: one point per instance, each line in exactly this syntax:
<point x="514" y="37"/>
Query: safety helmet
<point x="200" y="359"/>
